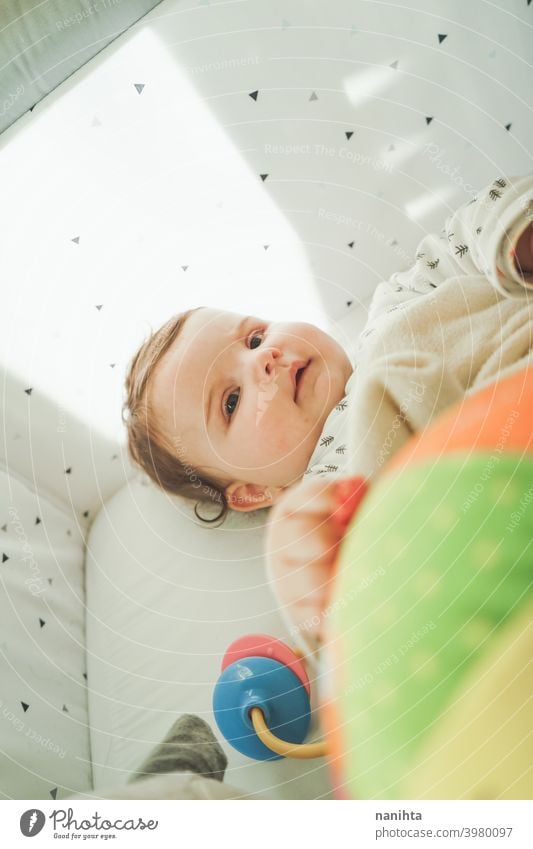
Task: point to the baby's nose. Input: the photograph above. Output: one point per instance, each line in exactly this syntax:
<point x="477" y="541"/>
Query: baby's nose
<point x="267" y="361"/>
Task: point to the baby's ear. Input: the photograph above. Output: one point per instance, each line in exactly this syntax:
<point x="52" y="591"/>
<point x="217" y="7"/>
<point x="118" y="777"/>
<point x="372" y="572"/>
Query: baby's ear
<point x="245" y="497"/>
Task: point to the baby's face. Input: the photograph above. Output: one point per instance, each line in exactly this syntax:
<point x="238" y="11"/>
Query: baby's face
<point x="232" y="398"/>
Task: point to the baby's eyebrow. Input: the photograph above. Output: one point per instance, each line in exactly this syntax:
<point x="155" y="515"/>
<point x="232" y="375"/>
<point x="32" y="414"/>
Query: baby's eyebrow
<point x="237" y="334"/>
<point x="241" y="325"/>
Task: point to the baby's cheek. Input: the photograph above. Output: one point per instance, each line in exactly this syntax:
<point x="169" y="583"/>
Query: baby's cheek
<point x="286" y="439"/>
<point x="274" y="432"/>
<point x="289" y="443"/>
<point x="284" y="443"/>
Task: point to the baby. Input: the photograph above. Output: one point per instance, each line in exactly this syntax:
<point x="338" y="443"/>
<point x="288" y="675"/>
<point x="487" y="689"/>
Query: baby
<point x="234" y="405"/>
<point x="249" y="413"/>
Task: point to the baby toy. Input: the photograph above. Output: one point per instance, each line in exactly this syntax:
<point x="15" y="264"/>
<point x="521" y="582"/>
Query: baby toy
<point x="261" y="701"/>
<point x="429" y="640"/>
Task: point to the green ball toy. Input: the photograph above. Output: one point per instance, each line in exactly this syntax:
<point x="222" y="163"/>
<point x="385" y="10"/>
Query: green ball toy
<point x="429" y="640"/>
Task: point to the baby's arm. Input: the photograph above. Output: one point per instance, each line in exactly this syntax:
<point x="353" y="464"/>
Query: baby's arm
<point x="524" y="252"/>
<point x="303" y="534"/>
<point x="488" y="234"/>
<point x="479" y="238"/>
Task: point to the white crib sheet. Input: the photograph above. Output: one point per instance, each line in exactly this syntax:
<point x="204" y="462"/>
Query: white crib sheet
<point x="165" y="598"/>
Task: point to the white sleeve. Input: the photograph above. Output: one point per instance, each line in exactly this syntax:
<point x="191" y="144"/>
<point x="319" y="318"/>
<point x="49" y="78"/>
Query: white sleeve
<point x="479" y="238"/>
<point x="483" y="233"/>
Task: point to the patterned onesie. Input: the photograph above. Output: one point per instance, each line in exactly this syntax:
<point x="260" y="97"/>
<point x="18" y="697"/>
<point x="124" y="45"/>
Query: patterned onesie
<point x="475" y="252"/>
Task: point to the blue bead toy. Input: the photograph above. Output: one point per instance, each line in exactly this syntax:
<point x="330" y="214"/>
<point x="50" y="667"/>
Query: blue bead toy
<point x="259" y="682"/>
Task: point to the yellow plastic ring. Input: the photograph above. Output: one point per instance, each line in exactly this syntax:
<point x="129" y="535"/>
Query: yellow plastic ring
<point x="281" y="747"/>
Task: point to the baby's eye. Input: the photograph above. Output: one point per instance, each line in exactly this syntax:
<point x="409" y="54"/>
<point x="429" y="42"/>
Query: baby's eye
<point x="258" y="334"/>
<point x="230" y="405"/>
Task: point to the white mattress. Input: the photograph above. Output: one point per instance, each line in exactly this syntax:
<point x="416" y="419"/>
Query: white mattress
<point x="165" y="598"/>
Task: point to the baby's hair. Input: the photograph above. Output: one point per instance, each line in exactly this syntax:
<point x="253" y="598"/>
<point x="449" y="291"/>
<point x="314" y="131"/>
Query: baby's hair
<point x="148" y="445"/>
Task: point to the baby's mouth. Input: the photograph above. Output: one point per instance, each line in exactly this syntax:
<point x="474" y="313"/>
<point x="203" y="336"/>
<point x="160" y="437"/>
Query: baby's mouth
<point x="298" y="379"/>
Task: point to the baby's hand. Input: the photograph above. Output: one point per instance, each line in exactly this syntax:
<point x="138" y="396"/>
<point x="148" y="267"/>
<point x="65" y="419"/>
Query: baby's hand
<point x="524" y="252"/>
<point x="304" y="531"/>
